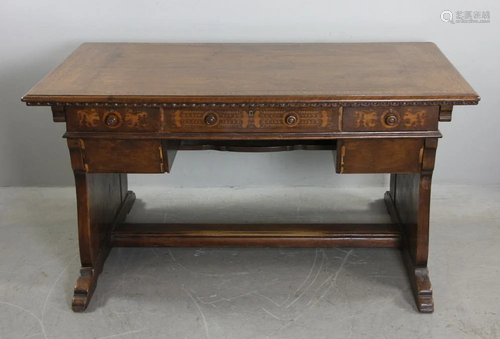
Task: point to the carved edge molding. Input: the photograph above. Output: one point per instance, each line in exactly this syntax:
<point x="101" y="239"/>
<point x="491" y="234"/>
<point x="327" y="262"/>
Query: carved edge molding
<point x="262" y="104"/>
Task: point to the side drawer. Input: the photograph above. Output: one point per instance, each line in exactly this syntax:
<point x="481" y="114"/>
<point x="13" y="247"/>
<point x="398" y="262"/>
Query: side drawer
<point x="110" y="119"/>
<point x="380" y="156"/>
<point x="252" y="120"/>
<point x="117" y="156"/>
<point x="387" y="119"/>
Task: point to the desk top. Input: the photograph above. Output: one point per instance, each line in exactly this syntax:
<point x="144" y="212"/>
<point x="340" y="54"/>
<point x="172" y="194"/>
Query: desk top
<point x="341" y="72"/>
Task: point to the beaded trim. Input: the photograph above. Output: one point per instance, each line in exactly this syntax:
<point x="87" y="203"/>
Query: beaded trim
<point x="262" y="104"/>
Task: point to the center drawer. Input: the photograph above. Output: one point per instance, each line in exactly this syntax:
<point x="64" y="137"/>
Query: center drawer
<point x="252" y="120"/>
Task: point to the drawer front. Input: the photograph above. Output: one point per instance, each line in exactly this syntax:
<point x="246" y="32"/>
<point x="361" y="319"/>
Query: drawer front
<point x="258" y="120"/>
<point x="122" y="156"/>
<point x="380" y="156"/>
<point x="119" y="119"/>
<point x="386" y="119"/>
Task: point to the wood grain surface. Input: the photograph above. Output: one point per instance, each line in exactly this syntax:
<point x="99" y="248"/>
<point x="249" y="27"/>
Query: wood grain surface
<point x="129" y="107"/>
<point x="148" y="72"/>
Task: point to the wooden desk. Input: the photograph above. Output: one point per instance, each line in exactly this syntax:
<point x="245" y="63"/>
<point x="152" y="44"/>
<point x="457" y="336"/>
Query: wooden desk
<point x="128" y="108"/>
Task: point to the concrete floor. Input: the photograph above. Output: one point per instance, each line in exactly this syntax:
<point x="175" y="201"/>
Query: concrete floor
<point x="250" y="293"/>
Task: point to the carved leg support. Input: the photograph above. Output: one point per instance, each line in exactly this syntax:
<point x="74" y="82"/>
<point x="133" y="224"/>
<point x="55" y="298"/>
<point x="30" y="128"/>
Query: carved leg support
<point x="102" y="201"/>
<point x="408" y="203"/>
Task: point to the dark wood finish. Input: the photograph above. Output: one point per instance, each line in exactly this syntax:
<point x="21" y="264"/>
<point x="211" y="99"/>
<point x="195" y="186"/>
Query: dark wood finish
<point x="417" y="274"/>
<point x="258" y="145"/>
<point x="252" y="120"/>
<point x="408" y="203"/>
<point x="385" y="119"/>
<point x="101" y="203"/>
<point x="157" y="73"/>
<point x="170" y="148"/>
<point x="129" y="108"/>
<point x="257" y="235"/>
<point x="255" y="136"/>
<point x="76" y="148"/>
<point x="110" y="119"/>
<point x="380" y="156"/>
<point x="445" y="113"/>
<point x="59" y="113"/>
<point x="129" y="156"/>
<point x="413" y="207"/>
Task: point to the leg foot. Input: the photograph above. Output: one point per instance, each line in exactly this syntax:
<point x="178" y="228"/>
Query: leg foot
<point x="423" y="291"/>
<point x="420" y="284"/>
<point x="84" y="288"/>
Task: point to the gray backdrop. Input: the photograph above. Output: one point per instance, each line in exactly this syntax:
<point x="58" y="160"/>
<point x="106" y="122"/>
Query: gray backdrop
<point x="35" y="36"/>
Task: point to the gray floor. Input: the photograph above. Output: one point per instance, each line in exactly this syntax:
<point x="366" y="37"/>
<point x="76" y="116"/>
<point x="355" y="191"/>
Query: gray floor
<point x="250" y="293"/>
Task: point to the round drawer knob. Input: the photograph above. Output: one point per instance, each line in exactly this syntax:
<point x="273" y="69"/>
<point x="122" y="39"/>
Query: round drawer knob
<point x="391" y="120"/>
<point x="210" y="119"/>
<point x="291" y="120"/>
<point x="112" y="120"/>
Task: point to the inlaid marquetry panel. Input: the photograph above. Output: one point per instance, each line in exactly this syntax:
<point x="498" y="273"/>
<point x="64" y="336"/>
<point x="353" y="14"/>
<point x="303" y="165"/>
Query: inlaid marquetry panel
<point x="380" y="119"/>
<point x="252" y="120"/>
<point x="109" y="119"/>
